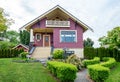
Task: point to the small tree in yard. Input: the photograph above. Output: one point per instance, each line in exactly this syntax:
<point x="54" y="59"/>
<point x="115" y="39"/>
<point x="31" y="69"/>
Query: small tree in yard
<point x="24" y="37"/>
<point x="73" y="59"/>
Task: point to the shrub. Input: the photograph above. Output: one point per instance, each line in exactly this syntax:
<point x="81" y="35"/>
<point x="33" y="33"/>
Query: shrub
<point x="23" y="54"/>
<point x="98" y="73"/>
<point x="96" y="60"/>
<point x="58" y="54"/>
<point x="65" y="72"/>
<point x="73" y="59"/>
<point x="109" y="62"/>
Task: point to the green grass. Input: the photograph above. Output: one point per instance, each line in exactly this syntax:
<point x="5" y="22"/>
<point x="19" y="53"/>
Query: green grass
<point x="23" y="72"/>
<point x="114" y="74"/>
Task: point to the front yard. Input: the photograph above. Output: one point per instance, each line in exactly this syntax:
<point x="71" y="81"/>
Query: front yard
<point x="23" y="72"/>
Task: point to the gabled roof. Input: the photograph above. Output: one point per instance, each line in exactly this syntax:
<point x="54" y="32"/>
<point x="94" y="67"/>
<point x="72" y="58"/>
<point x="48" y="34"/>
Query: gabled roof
<point x="25" y="46"/>
<point x="51" y="10"/>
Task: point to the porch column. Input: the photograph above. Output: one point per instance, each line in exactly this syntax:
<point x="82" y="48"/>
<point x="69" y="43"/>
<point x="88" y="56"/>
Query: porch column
<point x="31" y="35"/>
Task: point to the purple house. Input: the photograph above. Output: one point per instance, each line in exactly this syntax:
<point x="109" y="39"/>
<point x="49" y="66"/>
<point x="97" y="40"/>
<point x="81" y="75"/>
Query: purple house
<point x="57" y="28"/>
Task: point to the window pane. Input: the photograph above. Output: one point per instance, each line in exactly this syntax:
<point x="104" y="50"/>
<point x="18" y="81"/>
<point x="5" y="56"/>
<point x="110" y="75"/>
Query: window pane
<point x="68" y="36"/>
<point x="38" y="36"/>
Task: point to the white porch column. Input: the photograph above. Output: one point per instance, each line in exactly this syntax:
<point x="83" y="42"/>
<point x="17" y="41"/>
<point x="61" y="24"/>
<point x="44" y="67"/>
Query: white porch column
<point x="31" y="35"/>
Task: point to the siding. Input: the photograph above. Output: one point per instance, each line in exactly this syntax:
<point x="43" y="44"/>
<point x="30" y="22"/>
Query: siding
<point x="56" y="34"/>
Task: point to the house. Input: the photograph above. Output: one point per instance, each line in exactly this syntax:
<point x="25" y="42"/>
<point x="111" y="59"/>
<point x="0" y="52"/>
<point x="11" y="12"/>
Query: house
<point x="57" y="28"/>
<point x="21" y="46"/>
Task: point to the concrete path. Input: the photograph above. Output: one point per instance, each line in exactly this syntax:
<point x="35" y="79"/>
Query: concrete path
<point x="81" y="76"/>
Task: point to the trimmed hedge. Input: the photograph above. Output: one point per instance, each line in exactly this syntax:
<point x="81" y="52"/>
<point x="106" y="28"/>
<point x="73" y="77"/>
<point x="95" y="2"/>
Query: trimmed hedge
<point x="98" y="73"/>
<point x="10" y="53"/>
<point x="58" y="54"/>
<point x="96" y="60"/>
<point x="109" y="62"/>
<point x="65" y="72"/>
<point x="90" y="53"/>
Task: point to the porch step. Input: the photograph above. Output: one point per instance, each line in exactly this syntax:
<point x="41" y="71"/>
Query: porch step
<point x="41" y="52"/>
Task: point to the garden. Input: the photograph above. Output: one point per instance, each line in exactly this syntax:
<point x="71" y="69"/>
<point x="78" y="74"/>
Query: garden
<point x="102" y="65"/>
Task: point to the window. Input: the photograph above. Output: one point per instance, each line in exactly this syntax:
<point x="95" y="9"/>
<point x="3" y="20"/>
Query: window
<point x="38" y="37"/>
<point x="68" y="36"/>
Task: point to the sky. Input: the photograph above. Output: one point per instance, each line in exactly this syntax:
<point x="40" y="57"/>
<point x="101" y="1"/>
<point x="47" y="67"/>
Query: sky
<point x="101" y="15"/>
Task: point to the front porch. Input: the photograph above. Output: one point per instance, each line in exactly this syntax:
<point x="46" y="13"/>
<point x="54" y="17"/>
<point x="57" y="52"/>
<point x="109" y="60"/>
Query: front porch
<point x="42" y="37"/>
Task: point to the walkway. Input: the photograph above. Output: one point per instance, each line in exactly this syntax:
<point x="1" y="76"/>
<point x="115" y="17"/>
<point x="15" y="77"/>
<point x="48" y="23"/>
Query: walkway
<point x="81" y="76"/>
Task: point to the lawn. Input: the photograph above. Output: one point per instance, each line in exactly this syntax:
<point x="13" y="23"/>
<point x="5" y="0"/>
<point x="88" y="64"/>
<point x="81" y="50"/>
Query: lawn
<point x="114" y="74"/>
<point x="23" y="72"/>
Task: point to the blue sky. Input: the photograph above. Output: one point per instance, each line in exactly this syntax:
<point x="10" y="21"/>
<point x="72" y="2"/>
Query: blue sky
<point x="101" y="15"/>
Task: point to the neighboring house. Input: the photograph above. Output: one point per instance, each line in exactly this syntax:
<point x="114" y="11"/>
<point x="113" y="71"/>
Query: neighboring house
<point x="57" y="28"/>
<point x="22" y="46"/>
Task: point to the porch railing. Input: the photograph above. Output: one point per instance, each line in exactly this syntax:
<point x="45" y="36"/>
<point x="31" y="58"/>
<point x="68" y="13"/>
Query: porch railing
<point x="55" y="23"/>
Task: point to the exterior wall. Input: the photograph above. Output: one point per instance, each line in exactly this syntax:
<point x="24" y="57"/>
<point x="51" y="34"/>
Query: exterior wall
<point x="40" y="24"/>
<point x="40" y="42"/>
<point x="78" y="51"/>
<point x="56" y="35"/>
<point x="78" y="44"/>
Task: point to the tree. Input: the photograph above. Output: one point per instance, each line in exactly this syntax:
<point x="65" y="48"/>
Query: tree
<point x="112" y="39"/>
<point x="24" y="37"/>
<point x="88" y="43"/>
<point x="4" y="21"/>
<point x="103" y="40"/>
<point x="6" y="45"/>
<point x="13" y="36"/>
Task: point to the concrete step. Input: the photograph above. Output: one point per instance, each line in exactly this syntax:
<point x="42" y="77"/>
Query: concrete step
<point x="41" y="52"/>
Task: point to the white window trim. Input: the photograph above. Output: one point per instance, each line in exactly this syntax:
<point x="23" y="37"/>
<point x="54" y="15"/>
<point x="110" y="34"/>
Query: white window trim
<point x="68" y="30"/>
<point x="36" y="36"/>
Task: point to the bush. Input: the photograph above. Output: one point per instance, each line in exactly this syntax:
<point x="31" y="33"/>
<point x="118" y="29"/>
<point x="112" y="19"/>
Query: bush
<point x="96" y="60"/>
<point x="73" y="59"/>
<point x="98" y="73"/>
<point x="23" y="54"/>
<point x="109" y="62"/>
<point x="65" y="72"/>
<point x="58" y="54"/>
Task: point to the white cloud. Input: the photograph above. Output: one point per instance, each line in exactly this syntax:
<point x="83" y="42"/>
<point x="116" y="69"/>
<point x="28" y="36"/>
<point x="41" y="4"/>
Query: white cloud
<point x="101" y="15"/>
